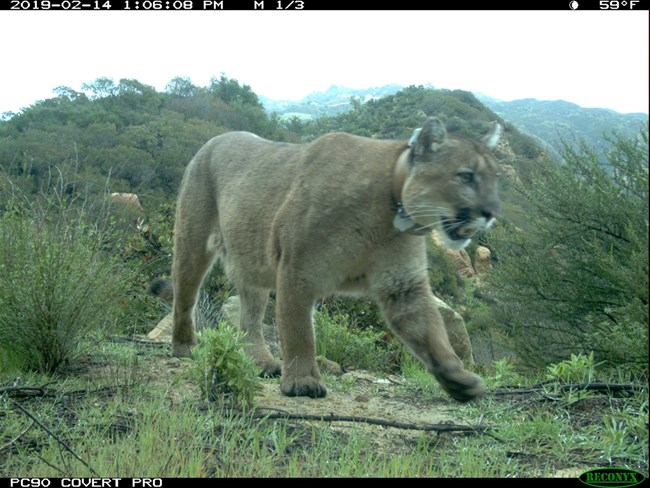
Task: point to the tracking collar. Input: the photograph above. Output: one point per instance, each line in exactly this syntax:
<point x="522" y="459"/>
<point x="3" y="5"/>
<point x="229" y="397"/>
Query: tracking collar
<point x="403" y="221"/>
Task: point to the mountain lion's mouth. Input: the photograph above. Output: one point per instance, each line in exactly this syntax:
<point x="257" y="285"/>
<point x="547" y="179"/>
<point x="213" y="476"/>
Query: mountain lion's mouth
<point x="457" y="228"/>
<point x="453" y="230"/>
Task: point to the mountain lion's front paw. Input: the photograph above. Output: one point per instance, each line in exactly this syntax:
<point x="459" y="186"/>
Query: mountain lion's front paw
<point x="459" y="383"/>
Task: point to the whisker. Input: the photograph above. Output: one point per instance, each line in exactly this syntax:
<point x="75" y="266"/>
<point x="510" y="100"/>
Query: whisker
<point x="429" y="211"/>
<point x="429" y="207"/>
<point x="428" y="226"/>
<point x="425" y="214"/>
<point x="443" y="216"/>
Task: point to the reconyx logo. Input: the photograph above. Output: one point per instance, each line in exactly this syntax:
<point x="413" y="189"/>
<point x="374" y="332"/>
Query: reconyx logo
<point x="606" y="477"/>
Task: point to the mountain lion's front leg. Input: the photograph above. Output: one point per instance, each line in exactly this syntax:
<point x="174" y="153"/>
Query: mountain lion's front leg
<point x="408" y="307"/>
<point x="300" y="374"/>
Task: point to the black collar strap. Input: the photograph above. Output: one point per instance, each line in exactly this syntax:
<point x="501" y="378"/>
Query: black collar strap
<point x="403" y="221"/>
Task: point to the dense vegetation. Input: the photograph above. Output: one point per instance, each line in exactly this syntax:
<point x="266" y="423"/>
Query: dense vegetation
<point x="576" y="279"/>
<point x="126" y="135"/>
<point x="549" y="122"/>
<point x="136" y="139"/>
<point x="568" y="291"/>
<point x="395" y="116"/>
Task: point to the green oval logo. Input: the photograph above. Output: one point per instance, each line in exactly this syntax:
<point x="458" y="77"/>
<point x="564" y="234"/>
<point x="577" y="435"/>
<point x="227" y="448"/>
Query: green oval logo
<point x="606" y="477"/>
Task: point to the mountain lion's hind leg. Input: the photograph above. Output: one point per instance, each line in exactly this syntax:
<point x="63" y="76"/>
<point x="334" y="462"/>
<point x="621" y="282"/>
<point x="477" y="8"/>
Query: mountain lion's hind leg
<point x="196" y="239"/>
<point x="253" y="305"/>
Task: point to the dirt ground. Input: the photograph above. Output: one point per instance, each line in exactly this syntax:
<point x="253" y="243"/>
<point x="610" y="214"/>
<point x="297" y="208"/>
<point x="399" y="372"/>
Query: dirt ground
<point x="393" y="412"/>
<point x="357" y="393"/>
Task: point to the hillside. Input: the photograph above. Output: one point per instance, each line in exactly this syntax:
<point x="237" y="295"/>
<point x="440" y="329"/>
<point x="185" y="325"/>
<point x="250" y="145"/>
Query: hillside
<point x="548" y="122"/>
<point x="126" y="132"/>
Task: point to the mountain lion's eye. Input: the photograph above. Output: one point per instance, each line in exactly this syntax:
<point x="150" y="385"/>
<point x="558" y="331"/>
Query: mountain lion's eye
<point x="465" y="177"/>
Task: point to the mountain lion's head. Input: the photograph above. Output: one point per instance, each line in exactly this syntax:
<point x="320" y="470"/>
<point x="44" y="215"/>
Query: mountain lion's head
<point x="448" y="183"/>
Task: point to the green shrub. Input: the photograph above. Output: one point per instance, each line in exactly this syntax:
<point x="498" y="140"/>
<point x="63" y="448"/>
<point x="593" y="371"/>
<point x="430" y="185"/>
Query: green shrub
<point x="221" y="367"/>
<point x="362" y="312"/>
<point x="443" y="278"/>
<point x="503" y="374"/>
<point x="579" y="369"/>
<point x="575" y="278"/>
<point x="351" y="346"/>
<point x="57" y="287"/>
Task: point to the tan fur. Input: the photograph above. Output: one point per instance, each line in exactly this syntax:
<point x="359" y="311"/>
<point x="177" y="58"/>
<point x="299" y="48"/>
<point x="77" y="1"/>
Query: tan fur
<point x="308" y="220"/>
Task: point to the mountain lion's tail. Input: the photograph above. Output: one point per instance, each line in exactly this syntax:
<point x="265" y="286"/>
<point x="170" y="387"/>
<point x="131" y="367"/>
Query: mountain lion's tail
<point x="163" y="289"/>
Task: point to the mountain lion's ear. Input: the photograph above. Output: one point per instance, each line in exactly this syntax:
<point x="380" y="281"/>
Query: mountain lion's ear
<point x="492" y="138"/>
<point x="431" y="137"/>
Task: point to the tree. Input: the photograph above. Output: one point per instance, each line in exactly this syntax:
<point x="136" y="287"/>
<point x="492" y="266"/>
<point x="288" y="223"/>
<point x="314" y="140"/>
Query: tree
<point x="576" y="279"/>
<point x="68" y="93"/>
<point x="100" y="88"/>
<point x="181" y="87"/>
<point x="230" y="91"/>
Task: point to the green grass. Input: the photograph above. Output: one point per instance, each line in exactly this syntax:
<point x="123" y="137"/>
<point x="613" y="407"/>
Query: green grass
<point x="123" y="418"/>
<point x="156" y="438"/>
<point x="550" y="429"/>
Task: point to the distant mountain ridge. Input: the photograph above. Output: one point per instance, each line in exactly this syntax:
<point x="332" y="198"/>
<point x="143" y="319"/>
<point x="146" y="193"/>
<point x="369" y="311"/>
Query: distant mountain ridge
<point x="552" y="121"/>
<point x="335" y="100"/>
<point x="547" y="121"/>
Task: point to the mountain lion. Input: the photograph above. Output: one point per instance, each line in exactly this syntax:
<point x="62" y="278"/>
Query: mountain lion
<point x="340" y="214"/>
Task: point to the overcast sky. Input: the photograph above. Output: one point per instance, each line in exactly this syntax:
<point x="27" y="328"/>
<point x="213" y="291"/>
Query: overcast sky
<point x="592" y="58"/>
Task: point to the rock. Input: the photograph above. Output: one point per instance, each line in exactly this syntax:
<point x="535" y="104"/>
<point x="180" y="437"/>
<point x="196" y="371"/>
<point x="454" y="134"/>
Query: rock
<point x="463" y="263"/>
<point x="383" y="381"/>
<point x="163" y="331"/>
<point x="503" y="151"/>
<point x="130" y="199"/>
<point x="395" y="379"/>
<point x="461" y="259"/>
<point x="482" y="261"/>
<point x="230" y="311"/>
<point x="457" y="332"/>
<point x="174" y="363"/>
<point x="359" y="374"/>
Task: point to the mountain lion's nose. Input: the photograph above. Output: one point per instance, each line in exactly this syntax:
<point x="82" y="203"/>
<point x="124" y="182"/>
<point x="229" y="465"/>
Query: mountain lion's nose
<point x="487" y="214"/>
